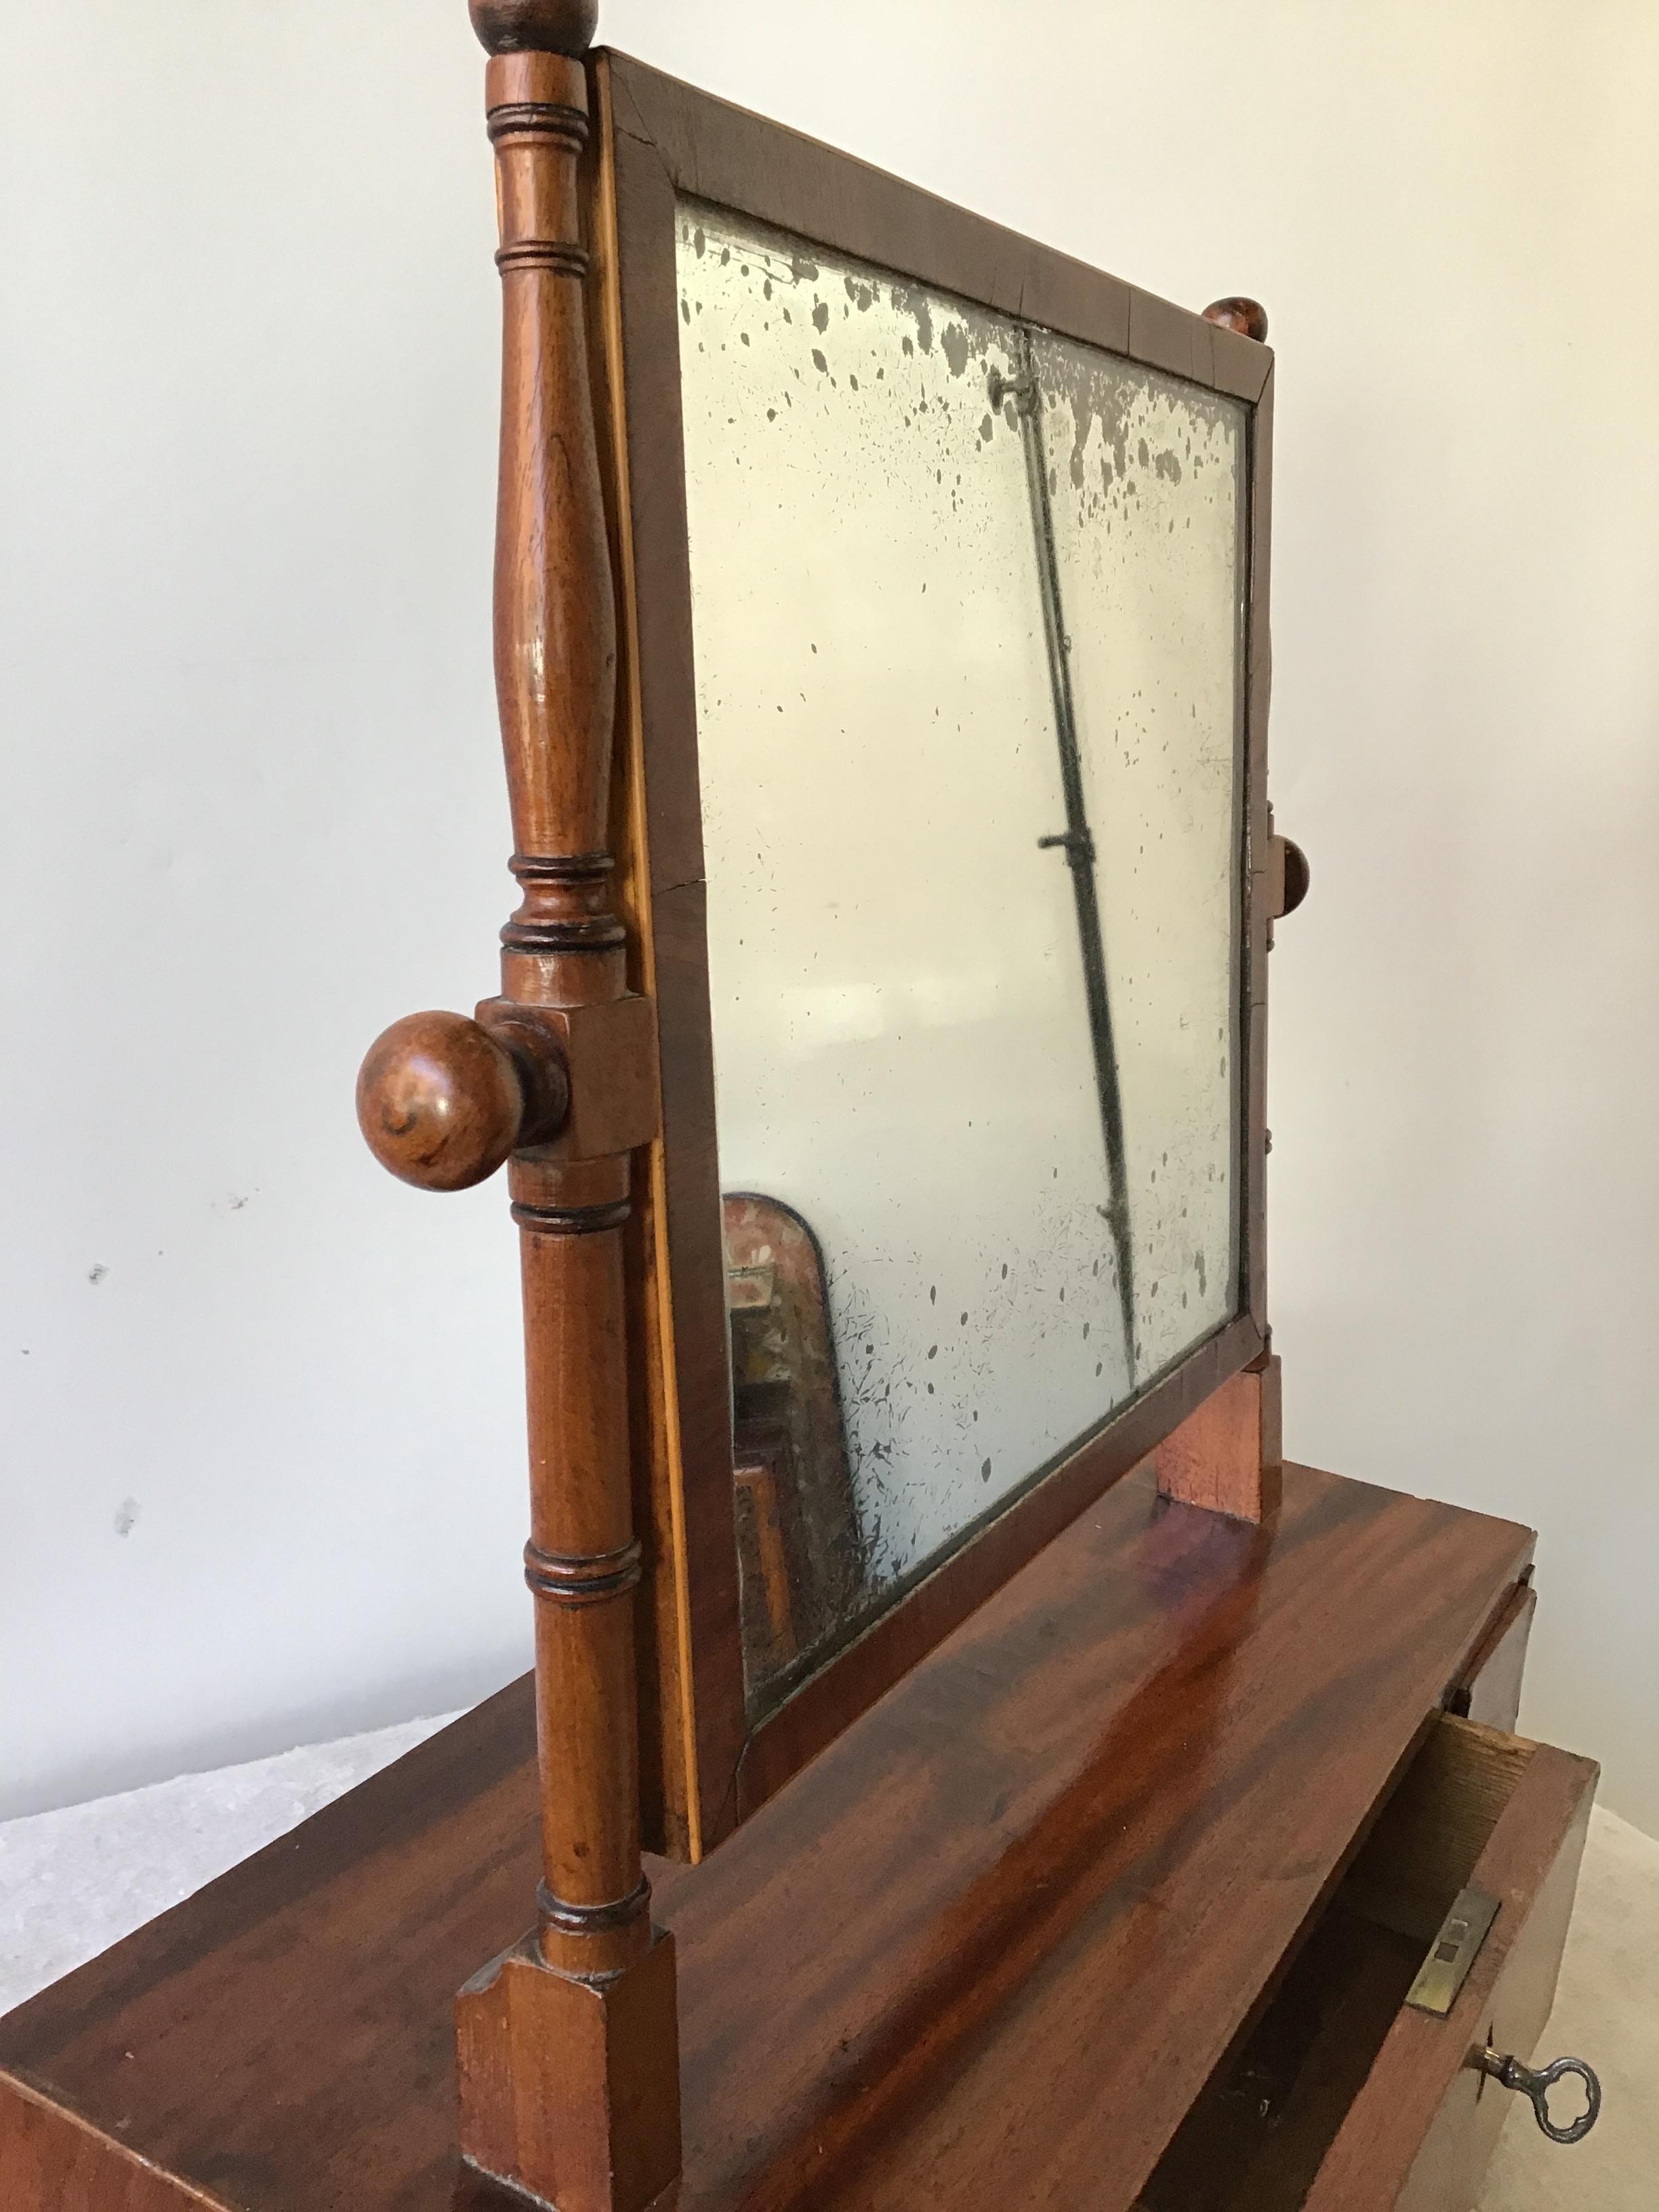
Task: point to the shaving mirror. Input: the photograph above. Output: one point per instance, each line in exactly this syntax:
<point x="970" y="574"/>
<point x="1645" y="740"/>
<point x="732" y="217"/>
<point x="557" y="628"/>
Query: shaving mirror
<point x="966" y="618"/>
<point x="876" y="1070"/>
<point x="944" y="572"/>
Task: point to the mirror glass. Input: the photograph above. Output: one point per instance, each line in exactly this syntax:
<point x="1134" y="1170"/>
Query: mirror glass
<point x="968" y="607"/>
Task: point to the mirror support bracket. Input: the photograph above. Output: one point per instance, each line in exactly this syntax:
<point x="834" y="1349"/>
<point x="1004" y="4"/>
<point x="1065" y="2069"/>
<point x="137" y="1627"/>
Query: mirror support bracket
<point x="567" y="2043"/>
<point x="1227" y="1455"/>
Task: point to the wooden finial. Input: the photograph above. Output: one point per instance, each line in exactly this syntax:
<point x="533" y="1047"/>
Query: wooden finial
<point x="535" y="27"/>
<point x="1247" y="317"/>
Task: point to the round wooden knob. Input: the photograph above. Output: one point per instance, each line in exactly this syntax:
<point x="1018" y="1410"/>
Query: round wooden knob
<point x="440" y="1101"/>
<point x="1247" y="317"/>
<point x="535" y="27"/>
<point x="1297" y="876"/>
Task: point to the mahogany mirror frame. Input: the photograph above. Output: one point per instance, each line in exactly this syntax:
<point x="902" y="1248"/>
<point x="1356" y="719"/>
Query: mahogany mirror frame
<point x="705" y="1766"/>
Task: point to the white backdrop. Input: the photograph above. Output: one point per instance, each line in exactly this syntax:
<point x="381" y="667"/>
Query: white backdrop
<point x="261" y="1451"/>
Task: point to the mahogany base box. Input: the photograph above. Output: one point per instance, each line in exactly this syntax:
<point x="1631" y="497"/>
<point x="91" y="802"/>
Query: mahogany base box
<point x="1113" y="1902"/>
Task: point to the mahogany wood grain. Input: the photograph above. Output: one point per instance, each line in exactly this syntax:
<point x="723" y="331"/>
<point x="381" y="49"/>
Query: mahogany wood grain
<point x="1112" y="1797"/>
<point x="568" y="2075"/>
<point x="570" y="2083"/>
<point x="720" y="152"/>
<point x="53" y="2162"/>
<point x="1072" y="1849"/>
<point x="443" y="1101"/>
<point x="1424" y="1847"/>
<point x="1420" y="2132"/>
<point x="1254" y="2139"/>
<point x="1227" y="1455"/>
<point x="1489" y="1690"/>
<point x="693" y="1719"/>
<point x="1337" y="2059"/>
<point x="285" y="2039"/>
<point x="781" y="1743"/>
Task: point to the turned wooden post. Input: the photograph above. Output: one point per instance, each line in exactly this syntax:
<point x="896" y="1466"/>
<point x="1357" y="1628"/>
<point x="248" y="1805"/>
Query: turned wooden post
<point x="568" y="2046"/>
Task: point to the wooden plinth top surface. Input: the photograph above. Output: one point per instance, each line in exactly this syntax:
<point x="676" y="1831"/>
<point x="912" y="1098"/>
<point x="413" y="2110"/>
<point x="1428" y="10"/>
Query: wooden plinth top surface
<point x="985" y="1950"/>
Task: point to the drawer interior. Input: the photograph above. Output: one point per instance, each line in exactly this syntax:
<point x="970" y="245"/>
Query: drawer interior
<point x="1257" y="2133"/>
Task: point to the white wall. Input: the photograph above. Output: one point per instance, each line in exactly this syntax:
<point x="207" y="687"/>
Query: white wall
<point x="253" y="809"/>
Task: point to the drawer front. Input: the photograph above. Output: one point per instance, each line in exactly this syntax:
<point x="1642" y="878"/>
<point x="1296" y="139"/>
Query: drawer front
<point x="1418" y="2134"/>
<point x="55" y="2161"/>
<point x="1490" y="1689"/>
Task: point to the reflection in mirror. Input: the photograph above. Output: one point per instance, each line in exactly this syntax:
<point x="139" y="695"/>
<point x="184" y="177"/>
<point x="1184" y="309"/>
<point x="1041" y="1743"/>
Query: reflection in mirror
<point x="966" y="610"/>
<point x="1146" y="513"/>
<point x="799" y="1540"/>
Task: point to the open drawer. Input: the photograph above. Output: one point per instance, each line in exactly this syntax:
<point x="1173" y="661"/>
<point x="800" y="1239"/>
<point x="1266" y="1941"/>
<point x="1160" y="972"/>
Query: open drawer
<point x="1344" y="2094"/>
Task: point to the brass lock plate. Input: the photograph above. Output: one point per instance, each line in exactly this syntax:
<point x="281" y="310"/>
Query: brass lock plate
<point x="1456" y="1947"/>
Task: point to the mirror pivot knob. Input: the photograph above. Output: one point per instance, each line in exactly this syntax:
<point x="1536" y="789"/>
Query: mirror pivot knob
<point x="441" y="1102"/>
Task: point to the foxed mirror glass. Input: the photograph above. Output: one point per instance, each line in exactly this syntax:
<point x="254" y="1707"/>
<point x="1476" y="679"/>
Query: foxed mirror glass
<point x="967" y="614"/>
